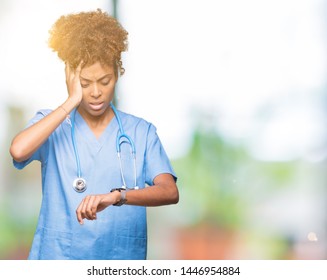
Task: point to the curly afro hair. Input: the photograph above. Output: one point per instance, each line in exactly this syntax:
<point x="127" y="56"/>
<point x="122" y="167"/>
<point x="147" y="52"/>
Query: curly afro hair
<point x="89" y="37"/>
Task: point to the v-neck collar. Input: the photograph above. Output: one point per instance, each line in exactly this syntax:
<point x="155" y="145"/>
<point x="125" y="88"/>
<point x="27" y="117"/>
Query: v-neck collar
<point x="85" y="132"/>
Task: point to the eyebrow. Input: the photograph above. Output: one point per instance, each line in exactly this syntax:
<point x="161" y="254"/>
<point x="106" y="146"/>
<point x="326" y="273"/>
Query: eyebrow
<point x="100" y="79"/>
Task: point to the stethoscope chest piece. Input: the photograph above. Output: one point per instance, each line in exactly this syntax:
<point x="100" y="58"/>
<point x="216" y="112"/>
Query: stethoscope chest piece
<point x="79" y="185"/>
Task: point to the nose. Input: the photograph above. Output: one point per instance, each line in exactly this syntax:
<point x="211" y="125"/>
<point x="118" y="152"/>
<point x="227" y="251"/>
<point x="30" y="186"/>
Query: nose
<point x="96" y="92"/>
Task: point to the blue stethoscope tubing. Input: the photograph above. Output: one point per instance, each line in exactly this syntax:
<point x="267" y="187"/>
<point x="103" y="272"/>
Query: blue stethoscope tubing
<point x="79" y="183"/>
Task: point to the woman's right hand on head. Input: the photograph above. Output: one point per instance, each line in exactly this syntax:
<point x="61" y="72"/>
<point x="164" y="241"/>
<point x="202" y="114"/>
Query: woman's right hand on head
<point x="26" y="143"/>
<point x="73" y="83"/>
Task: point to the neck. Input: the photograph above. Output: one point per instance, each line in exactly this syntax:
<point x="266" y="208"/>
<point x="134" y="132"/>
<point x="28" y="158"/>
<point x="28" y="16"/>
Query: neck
<point x="97" y="123"/>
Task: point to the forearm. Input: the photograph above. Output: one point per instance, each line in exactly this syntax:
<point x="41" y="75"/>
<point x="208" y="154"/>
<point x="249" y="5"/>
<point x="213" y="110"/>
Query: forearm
<point x="30" y="139"/>
<point x="149" y="196"/>
<point x="163" y="192"/>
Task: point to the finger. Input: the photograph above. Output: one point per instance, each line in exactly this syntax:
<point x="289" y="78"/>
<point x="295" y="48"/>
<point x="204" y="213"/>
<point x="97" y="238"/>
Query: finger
<point x="84" y="208"/>
<point x="79" y="68"/>
<point x="89" y="208"/>
<point x="95" y="206"/>
<point x="67" y="70"/>
<point x="79" y="213"/>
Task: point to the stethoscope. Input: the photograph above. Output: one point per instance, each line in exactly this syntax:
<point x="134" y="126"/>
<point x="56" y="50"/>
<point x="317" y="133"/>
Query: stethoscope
<point x="79" y="184"/>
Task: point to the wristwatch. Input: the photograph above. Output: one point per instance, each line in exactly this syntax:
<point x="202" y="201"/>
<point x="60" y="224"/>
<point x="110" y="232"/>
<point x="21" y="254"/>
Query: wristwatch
<point x="123" y="199"/>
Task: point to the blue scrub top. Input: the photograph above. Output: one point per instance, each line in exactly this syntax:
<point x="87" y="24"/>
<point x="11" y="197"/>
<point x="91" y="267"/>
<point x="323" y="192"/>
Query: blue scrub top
<point x="118" y="232"/>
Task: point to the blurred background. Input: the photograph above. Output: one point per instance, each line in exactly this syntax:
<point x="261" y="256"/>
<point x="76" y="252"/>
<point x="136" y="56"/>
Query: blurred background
<point x="237" y="91"/>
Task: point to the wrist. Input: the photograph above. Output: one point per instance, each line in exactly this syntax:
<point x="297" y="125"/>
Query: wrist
<point x="70" y="104"/>
<point x="121" y="196"/>
<point x="117" y="196"/>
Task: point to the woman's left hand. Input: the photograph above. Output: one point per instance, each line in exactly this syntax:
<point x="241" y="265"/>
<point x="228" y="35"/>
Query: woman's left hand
<point x="92" y="204"/>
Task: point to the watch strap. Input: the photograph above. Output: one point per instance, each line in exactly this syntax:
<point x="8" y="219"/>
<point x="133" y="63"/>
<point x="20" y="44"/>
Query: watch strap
<point x="123" y="199"/>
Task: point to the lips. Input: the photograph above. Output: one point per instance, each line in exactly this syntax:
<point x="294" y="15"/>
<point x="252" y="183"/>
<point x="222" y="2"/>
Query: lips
<point x="96" y="106"/>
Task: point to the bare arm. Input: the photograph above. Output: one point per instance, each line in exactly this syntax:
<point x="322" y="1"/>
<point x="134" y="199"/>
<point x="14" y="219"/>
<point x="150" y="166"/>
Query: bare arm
<point x="163" y="192"/>
<point x="30" y="139"/>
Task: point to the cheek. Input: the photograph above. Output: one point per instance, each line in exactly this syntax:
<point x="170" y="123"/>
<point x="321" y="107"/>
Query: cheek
<point x="109" y="89"/>
<point x="85" y="92"/>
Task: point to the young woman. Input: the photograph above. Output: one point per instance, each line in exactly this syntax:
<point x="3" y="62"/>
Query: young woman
<point x="100" y="167"/>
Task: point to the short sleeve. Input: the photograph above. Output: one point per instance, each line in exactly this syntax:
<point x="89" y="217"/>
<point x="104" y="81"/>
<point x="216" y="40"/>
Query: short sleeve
<point x="42" y="151"/>
<point x="156" y="159"/>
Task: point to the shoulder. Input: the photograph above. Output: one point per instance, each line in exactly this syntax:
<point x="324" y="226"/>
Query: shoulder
<point x="44" y="112"/>
<point x="40" y="114"/>
<point x="130" y="121"/>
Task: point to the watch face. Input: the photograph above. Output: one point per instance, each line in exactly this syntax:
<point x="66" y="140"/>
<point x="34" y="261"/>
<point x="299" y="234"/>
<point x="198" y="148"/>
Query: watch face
<point x="121" y="202"/>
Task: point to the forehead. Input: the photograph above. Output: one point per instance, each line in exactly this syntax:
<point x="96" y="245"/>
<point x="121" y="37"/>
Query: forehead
<point x="96" y="70"/>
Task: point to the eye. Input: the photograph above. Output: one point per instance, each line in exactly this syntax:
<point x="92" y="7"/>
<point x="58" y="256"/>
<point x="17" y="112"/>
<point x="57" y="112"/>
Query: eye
<point x="84" y="85"/>
<point x="105" y="82"/>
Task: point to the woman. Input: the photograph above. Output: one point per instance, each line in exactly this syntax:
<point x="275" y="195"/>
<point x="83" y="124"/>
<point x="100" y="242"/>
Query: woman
<point x="83" y="180"/>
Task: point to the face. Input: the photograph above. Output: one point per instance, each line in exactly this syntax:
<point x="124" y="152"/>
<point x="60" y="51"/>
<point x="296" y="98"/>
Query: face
<point x="98" y="85"/>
